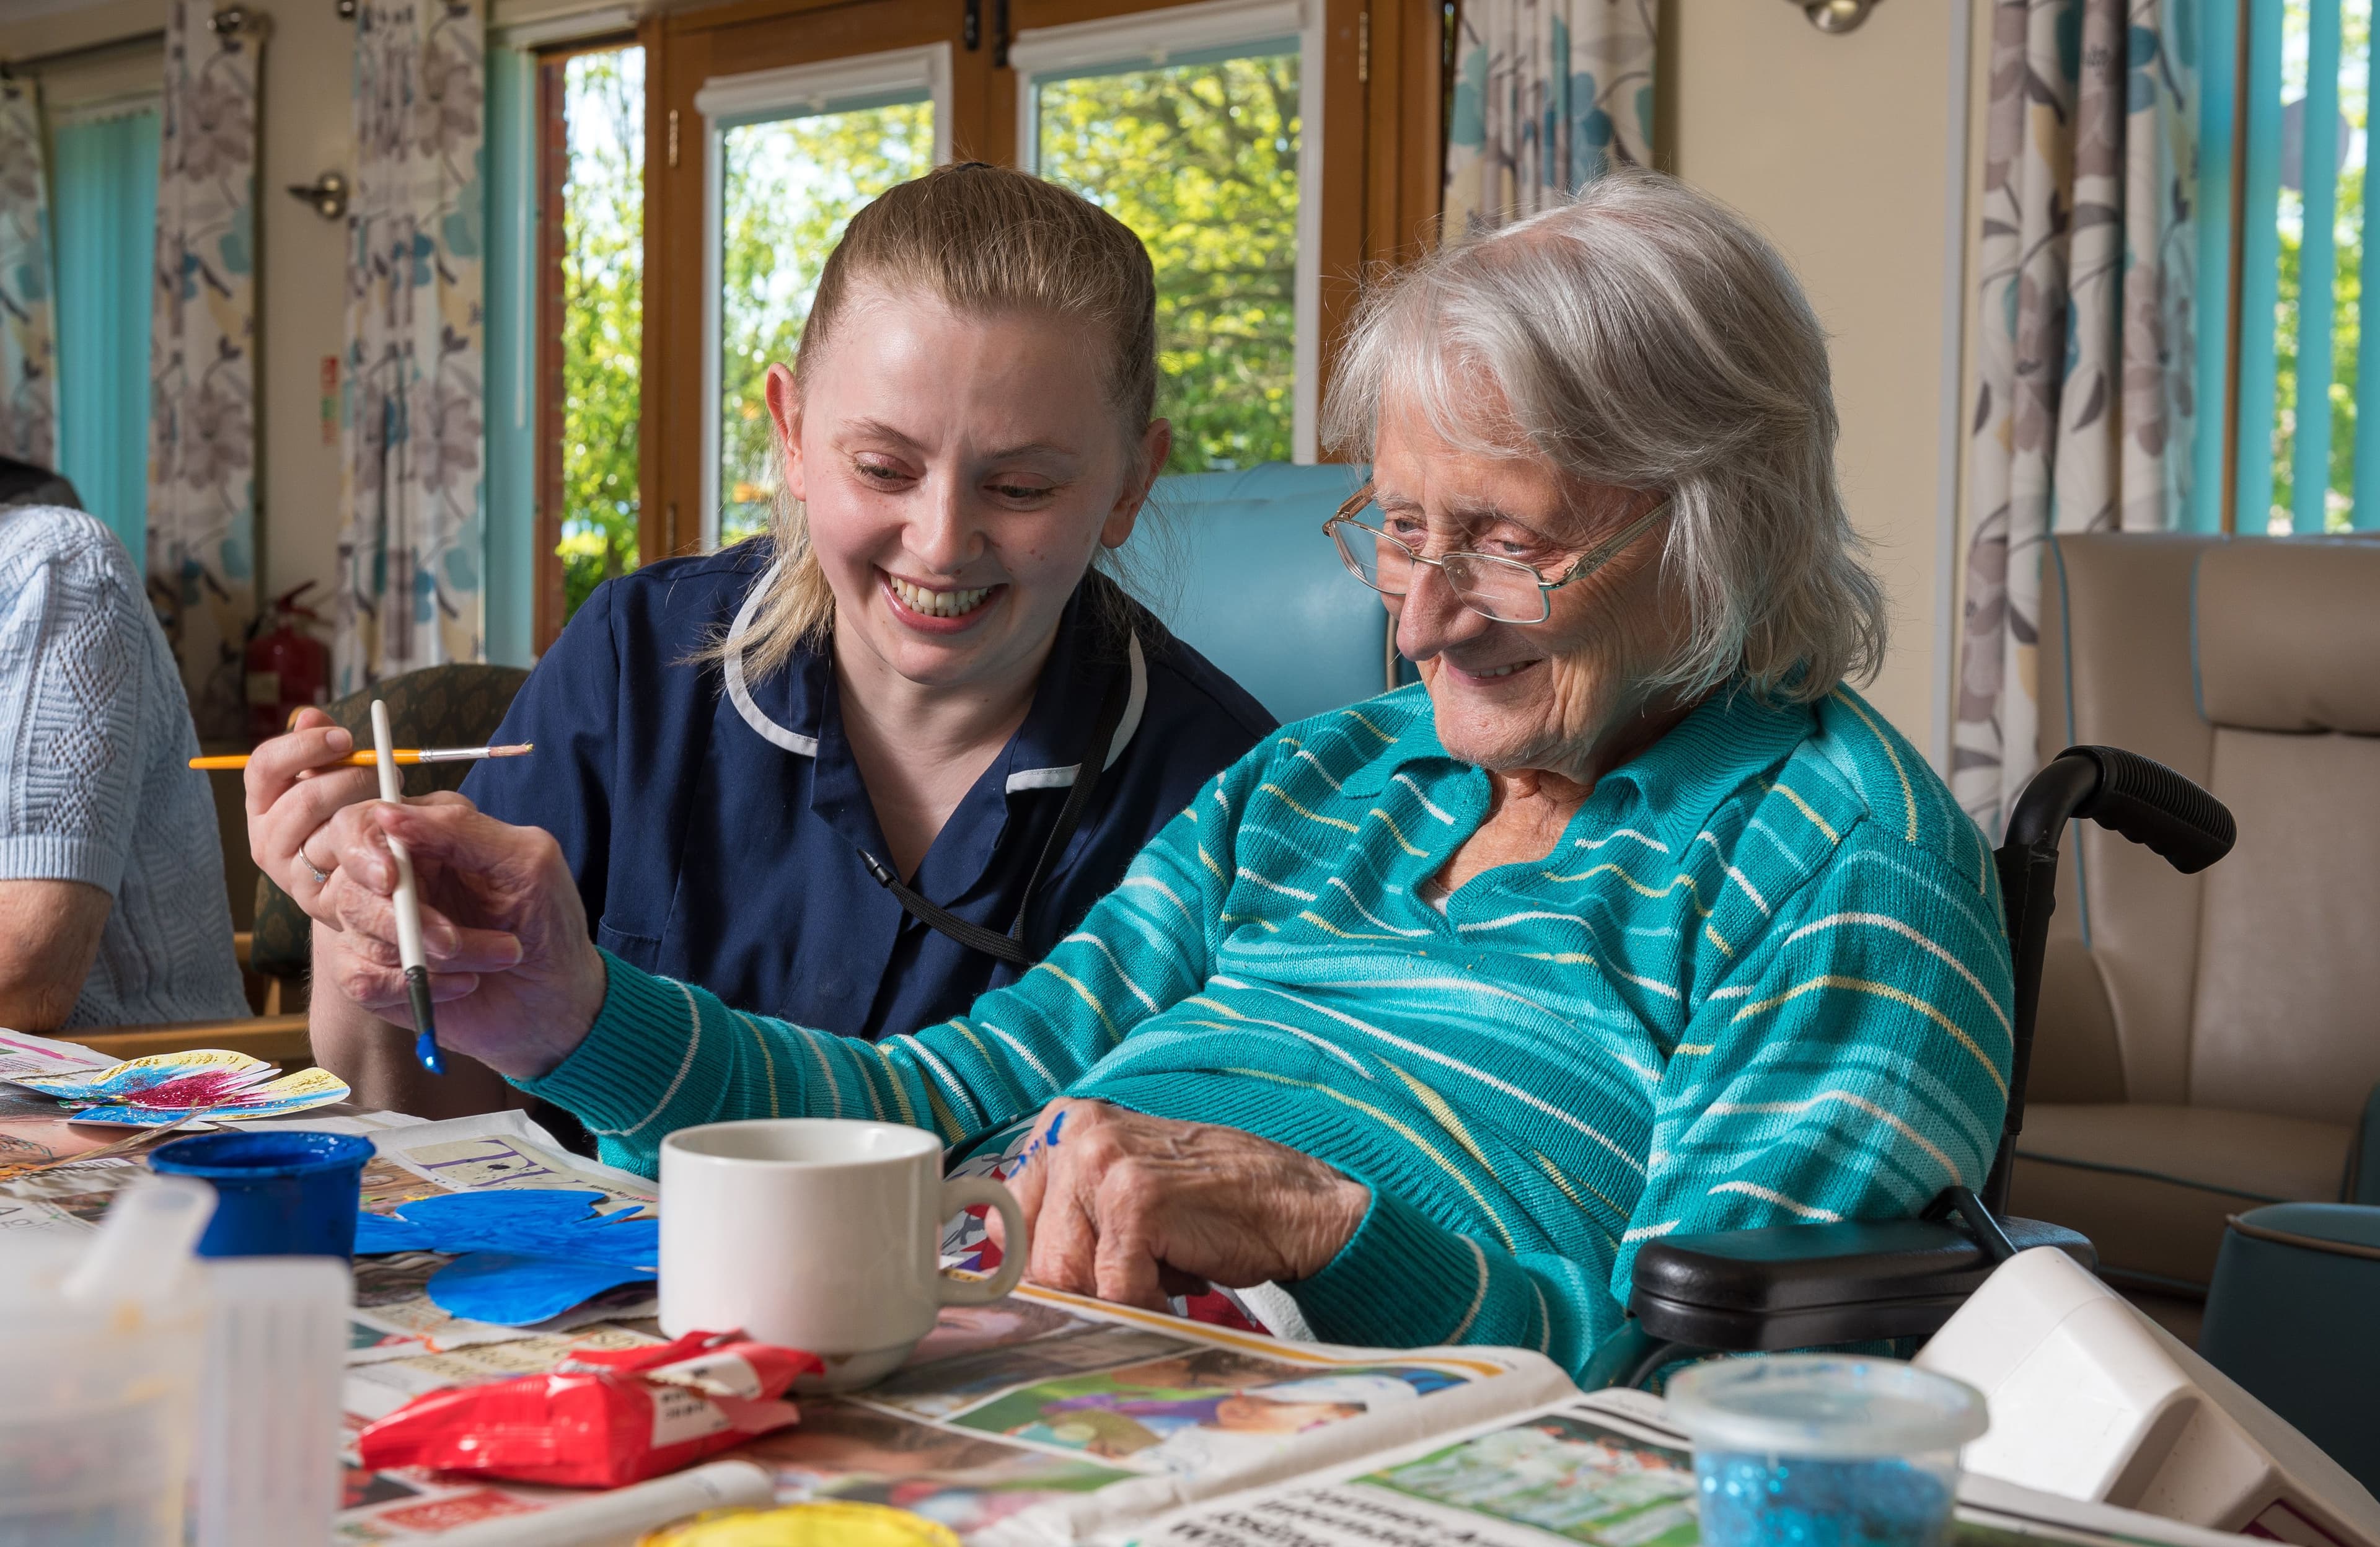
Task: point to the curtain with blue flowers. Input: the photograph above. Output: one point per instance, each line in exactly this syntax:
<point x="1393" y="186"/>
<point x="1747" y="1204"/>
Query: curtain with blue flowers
<point x="203" y="356"/>
<point x="412" y="551"/>
<point x="28" y="377"/>
<point x="1546" y="94"/>
<point x="2085" y="405"/>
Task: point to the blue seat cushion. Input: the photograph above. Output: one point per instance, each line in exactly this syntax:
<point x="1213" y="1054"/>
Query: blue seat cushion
<point x="1243" y="573"/>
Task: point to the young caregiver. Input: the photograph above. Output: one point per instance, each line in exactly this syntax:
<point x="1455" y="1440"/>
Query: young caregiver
<point x="860" y="772"/>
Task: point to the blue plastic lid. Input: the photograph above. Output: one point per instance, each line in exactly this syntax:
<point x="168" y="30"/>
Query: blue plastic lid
<point x="1825" y="1404"/>
<point x="2348" y="1223"/>
<point x="253" y="1154"/>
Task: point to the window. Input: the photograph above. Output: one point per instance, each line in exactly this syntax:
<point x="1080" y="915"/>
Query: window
<point x="1232" y="134"/>
<point x="591" y="340"/>
<point x="105" y="207"/>
<point x="1189" y="125"/>
<point x="793" y="154"/>
<point x="2307" y="454"/>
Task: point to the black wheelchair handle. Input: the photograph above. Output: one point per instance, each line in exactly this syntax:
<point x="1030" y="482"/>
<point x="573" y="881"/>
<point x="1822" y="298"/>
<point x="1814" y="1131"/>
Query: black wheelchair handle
<point x="2134" y="796"/>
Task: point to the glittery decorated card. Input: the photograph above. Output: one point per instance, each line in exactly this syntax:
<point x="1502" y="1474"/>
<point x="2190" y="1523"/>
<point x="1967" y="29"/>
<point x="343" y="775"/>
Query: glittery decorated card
<point x="165" y="1088"/>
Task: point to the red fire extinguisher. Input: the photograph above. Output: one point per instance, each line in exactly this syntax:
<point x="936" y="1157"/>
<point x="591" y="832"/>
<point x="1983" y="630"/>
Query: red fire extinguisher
<point x="288" y="669"/>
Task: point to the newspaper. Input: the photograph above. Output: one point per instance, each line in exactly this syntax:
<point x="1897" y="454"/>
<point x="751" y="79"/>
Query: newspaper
<point x="1606" y="1468"/>
<point x="1042" y="1417"/>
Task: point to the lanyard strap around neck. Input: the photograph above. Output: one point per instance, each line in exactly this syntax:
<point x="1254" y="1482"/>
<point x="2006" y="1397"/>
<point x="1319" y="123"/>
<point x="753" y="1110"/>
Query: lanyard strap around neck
<point x="1011" y="947"/>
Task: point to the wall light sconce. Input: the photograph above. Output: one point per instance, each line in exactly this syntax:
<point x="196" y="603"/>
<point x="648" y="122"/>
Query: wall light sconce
<point x="328" y="196"/>
<point x="235" y="21"/>
<point x="1836" y="16"/>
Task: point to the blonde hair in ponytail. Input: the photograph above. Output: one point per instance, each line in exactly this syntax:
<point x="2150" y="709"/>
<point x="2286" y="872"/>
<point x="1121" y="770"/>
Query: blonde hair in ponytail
<point x="984" y="241"/>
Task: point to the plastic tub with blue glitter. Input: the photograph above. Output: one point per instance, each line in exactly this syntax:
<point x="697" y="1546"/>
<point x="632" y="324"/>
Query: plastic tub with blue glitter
<point x="1810" y="1450"/>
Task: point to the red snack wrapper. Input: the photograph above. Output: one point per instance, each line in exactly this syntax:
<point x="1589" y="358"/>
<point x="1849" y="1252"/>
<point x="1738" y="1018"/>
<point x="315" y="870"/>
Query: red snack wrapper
<point x="601" y="1420"/>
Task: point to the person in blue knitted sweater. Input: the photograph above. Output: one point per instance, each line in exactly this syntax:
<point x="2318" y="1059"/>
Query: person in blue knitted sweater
<point x="113" y="909"/>
<point x="1631" y="917"/>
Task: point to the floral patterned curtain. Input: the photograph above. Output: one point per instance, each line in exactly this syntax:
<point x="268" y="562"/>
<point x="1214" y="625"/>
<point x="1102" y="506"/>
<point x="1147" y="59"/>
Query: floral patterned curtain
<point x="28" y="380"/>
<point x="411" y="552"/>
<point x="202" y="355"/>
<point x="2083" y="411"/>
<point x="1546" y="94"/>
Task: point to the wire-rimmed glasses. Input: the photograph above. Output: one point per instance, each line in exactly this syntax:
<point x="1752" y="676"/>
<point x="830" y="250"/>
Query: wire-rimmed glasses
<point x="1504" y="590"/>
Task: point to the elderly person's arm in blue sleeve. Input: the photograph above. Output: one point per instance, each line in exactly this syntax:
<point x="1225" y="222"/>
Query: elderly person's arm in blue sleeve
<point x="112" y="903"/>
<point x="1630" y="919"/>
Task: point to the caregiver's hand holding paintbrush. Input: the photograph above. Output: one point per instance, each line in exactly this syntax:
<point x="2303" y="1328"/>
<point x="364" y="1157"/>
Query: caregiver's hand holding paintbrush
<point x="504" y="934"/>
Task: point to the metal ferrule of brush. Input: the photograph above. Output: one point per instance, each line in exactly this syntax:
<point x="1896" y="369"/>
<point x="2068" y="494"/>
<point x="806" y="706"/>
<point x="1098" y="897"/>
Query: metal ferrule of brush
<point x="425" y="1022"/>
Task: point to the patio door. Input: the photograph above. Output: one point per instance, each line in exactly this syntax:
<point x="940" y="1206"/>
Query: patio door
<point x="772" y="131"/>
<point x="1232" y="134"/>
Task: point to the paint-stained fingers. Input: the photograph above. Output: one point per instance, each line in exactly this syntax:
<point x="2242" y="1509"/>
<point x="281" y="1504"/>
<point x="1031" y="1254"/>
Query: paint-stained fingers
<point x="1029" y="1177"/>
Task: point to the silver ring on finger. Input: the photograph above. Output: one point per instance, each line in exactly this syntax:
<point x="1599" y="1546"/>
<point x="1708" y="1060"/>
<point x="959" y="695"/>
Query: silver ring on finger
<point x="321" y="877"/>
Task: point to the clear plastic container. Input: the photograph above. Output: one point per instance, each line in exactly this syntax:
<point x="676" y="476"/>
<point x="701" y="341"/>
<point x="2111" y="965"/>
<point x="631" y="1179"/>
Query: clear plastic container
<point x="95" y="1432"/>
<point x="1812" y="1450"/>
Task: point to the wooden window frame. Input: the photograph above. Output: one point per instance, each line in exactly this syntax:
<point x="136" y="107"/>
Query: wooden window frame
<point x="1134" y="39"/>
<point x="1382" y="165"/>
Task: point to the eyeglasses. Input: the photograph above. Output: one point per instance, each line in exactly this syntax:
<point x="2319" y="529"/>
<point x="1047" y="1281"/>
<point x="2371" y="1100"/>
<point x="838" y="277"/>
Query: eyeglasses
<point x="1501" y="589"/>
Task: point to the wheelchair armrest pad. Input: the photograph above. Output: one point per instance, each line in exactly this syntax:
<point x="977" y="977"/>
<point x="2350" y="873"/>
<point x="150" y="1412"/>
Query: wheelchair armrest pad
<point x="1798" y="1285"/>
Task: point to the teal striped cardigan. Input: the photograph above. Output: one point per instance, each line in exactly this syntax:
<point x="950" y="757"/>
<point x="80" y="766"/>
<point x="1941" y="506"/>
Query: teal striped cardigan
<point x="1761" y="978"/>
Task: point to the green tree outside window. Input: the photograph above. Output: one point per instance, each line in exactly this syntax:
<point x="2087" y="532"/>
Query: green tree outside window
<point x="603" y="328"/>
<point x="1200" y="161"/>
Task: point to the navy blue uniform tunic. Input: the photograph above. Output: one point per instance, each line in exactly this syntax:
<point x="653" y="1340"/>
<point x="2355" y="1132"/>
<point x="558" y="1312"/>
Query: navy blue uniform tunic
<point x="715" y="823"/>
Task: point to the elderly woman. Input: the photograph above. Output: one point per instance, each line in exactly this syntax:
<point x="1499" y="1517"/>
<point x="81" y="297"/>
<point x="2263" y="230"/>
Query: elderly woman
<point x="1630" y="919"/>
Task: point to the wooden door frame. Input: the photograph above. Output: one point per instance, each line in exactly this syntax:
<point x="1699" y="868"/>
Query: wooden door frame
<point x="1382" y="155"/>
<point x="690" y="48"/>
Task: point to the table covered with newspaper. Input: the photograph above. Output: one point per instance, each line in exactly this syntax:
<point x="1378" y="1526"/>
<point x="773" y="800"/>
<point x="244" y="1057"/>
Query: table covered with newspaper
<point x="1042" y="1417"/>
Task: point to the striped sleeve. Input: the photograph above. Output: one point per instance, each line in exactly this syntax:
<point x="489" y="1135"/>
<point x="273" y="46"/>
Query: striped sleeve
<point x="663" y="1055"/>
<point x="1854" y="1065"/>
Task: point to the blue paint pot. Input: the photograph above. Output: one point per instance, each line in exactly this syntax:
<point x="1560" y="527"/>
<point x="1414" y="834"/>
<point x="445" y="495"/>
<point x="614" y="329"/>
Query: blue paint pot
<point x="279" y="1192"/>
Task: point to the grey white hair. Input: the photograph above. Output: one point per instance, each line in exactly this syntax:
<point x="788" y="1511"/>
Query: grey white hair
<point x="1644" y="336"/>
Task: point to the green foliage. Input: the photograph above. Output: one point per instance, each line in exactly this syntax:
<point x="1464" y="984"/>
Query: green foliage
<point x="788" y="188"/>
<point x="2347" y="291"/>
<point x="1200" y="160"/>
<point x="602" y="330"/>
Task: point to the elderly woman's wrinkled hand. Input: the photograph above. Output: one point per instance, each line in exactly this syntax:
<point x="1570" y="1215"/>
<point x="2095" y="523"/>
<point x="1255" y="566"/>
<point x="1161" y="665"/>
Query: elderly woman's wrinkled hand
<point x="504" y="931"/>
<point x="1130" y="1209"/>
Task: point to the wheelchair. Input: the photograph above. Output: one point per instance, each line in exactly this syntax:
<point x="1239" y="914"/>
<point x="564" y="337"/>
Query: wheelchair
<point x="1812" y="1286"/>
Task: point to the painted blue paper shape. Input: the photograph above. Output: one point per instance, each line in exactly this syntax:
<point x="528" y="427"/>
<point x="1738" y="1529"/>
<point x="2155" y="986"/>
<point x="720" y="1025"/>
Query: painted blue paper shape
<point x="522" y="1254"/>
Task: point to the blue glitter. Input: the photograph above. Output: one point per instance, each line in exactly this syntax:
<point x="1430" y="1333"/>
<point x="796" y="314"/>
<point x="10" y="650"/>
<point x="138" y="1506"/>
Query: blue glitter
<point x="1799" y="1501"/>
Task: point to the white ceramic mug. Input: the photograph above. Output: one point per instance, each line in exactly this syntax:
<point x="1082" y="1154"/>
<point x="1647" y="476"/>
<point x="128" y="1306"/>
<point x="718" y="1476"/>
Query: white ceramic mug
<point x="819" y="1234"/>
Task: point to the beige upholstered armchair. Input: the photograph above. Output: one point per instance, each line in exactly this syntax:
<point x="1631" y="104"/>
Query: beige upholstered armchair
<point x="2209" y="1043"/>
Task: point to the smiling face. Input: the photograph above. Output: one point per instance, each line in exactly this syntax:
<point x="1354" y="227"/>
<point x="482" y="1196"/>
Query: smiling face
<point x="1557" y="695"/>
<point x="958" y="474"/>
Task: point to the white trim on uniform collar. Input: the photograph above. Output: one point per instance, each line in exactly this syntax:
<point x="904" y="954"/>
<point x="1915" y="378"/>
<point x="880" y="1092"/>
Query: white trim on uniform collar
<point x="770" y="731"/>
<point x="1062" y="778"/>
<point x="806" y="745"/>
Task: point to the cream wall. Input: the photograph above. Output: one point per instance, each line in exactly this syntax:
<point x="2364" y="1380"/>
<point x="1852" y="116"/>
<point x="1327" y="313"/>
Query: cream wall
<point x="308" y="130"/>
<point x="1847" y="150"/>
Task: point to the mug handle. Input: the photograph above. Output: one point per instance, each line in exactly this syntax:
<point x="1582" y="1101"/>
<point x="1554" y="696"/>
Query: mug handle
<point x="963" y="1192"/>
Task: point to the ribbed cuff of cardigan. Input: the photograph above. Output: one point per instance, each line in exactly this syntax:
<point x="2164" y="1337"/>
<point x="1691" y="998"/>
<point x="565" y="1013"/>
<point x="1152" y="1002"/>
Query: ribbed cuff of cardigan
<point x="634" y="1059"/>
<point x="1399" y="1282"/>
<point x="57" y="856"/>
